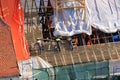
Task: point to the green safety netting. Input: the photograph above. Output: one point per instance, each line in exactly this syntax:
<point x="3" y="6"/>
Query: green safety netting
<point x="40" y="74"/>
<point x="86" y="71"/>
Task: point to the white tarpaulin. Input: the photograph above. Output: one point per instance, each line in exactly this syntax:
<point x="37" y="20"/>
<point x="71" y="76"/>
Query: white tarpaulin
<point x="26" y="67"/>
<point x="114" y="67"/>
<point x="38" y="63"/>
<point x="101" y="14"/>
<point x="70" y="20"/>
<point x="104" y="14"/>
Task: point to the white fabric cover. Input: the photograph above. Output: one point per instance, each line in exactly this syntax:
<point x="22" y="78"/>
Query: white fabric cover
<point x="114" y="67"/>
<point x="101" y="14"/>
<point x="70" y="21"/>
<point x="38" y="63"/>
<point x="104" y="14"/>
<point x="26" y="67"/>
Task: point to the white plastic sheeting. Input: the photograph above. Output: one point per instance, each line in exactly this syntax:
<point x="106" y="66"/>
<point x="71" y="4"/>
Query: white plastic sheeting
<point x="104" y="14"/>
<point x="70" y="21"/>
<point x="114" y="67"/>
<point x="26" y="67"/>
<point x="101" y="14"/>
<point x="38" y="63"/>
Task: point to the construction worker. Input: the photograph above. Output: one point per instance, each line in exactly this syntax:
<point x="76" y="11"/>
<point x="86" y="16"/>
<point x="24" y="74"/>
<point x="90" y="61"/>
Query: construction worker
<point x="58" y="40"/>
<point x="69" y="39"/>
<point x="115" y="37"/>
<point x="39" y="43"/>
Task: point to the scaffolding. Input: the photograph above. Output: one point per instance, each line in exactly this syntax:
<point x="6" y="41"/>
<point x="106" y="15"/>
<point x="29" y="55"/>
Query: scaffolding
<point x="84" y="62"/>
<point x="101" y="47"/>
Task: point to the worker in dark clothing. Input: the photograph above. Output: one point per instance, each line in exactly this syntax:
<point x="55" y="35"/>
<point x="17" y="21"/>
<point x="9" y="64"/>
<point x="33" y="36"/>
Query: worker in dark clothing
<point x="39" y="45"/>
<point x="69" y="39"/>
<point x="58" y="40"/>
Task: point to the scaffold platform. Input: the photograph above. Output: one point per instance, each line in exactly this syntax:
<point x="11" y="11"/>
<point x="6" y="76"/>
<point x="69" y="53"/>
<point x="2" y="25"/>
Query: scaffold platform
<point x="81" y="54"/>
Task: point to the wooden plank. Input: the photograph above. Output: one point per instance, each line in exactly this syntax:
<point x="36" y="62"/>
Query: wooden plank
<point x="90" y="53"/>
<point x="68" y="58"/>
<point x="76" y="58"/>
<point x="98" y="52"/>
<point x="83" y="57"/>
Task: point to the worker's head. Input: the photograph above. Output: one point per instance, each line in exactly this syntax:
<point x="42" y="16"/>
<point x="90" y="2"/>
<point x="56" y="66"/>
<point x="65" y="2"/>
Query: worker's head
<point x="38" y="39"/>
